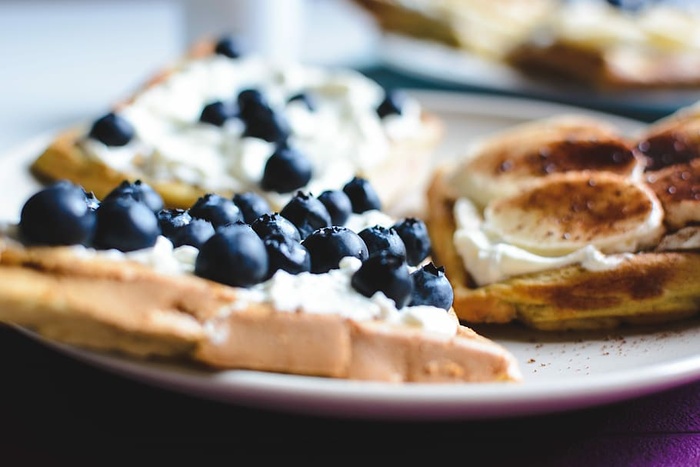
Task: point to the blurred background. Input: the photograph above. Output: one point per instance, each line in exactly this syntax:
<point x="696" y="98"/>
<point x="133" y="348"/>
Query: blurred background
<point x="64" y="61"/>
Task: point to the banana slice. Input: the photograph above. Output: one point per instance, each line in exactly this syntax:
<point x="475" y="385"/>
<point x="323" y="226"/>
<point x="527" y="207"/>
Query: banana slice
<point x="566" y="212"/>
<point x="673" y="140"/>
<point x="509" y="161"/>
<point x="678" y="188"/>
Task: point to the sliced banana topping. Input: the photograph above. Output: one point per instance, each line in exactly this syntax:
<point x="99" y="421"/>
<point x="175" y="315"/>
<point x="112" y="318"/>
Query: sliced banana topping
<point x="674" y="140"/>
<point x="566" y="212"/>
<point x="678" y="189"/>
<point x="510" y="161"/>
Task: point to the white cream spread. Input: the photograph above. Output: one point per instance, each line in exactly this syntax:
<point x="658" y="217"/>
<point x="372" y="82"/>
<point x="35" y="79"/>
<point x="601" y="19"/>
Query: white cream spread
<point x="489" y="259"/>
<point x="329" y="293"/>
<point x="311" y="293"/>
<point x="343" y="137"/>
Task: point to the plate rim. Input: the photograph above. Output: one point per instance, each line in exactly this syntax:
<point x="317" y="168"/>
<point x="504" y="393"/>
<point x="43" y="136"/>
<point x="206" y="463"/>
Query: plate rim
<point x="444" y="65"/>
<point x="414" y="401"/>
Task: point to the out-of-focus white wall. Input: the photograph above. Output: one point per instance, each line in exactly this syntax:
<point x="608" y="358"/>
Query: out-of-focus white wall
<point x="64" y="61"/>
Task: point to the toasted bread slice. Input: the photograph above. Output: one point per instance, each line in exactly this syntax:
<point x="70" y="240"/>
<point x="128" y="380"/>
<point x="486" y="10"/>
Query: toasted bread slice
<point x="95" y="302"/>
<point x="374" y="151"/>
<point x="650" y="283"/>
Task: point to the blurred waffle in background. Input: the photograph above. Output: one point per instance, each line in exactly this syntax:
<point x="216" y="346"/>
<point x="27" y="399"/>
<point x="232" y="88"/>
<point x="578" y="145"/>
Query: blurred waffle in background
<point x="617" y="44"/>
<point x="601" y="44"/>
<point x="488" y="28"/>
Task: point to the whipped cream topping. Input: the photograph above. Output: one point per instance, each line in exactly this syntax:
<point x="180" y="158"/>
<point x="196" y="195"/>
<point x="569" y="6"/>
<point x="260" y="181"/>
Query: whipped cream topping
<point x="328" y="293"/>
<point x="342" y="137"/>
<point x="490" y="260"/>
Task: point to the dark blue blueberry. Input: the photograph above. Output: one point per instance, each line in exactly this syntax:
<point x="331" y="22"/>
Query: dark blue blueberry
<point x="362" y="195"/>
<point x="379" y="238"/>
<point x="287" y="255"/>
<point x="431" y="287"/>
<point x="275" y="224"/>
<point x="216" y="113"/>
<point x="140" y="192"/>
<point x="260" y="120"/>
<point x="234" y="256"/>
<point x="57" y="215"/>
<point x="228" y="47"/>
<point x="194" y="233"/>
<point x="306" y="99"/>
<point x="630" y="5"/>
<point x="386" y="273"/>
<point x="125" y="224"/>
<point x="269" y="126"/>
<point x="328" y="245"/>
<point x="307" y="213"/>
<point x="392" y="104"/>
<point x="338" y="205"/>
<point x="251" y="102"/>
<point x="414" y="234"/>
<point x="216" y="209"/>
<point x="112" y="130"/>
<point x="252" y="205"/>
<point x="170" y="220"/>
<point x="286" y="170"/>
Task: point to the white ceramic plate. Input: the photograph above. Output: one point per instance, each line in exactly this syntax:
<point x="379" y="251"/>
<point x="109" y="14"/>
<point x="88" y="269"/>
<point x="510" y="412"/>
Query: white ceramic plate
<point x="562" y="371"/>
<point x="446" y="65"/>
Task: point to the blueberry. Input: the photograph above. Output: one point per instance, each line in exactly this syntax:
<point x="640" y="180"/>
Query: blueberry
<point x="57" y="215"/>
<point x="228" y="47"/>
<point x="112" y="130"/>
<point x="286" y="170"/>
<point x="362" y="195"/>
<point x="125" y="224"/>
<point x="414" y="234"/>
<point x="629" y="5"/>
<point x="194" y="233"/>
<point x="287" y="255"/>
<point x="379" y="238"/>
<point x="251" y="102"/>
<point x="306" y="212"/>
<point x="304" y="98"/>
<point x="386" y="273"/>
<point x="216" y="209"/>
<point x="328" y="245"/>
<point x="267" y="125"/>
<point x="392" y="104"/>
<point x="260" y="120"/>
<point x="338" y="205"/>
<point x="275" y="224"/>
<point x="431" y="287"/>
<point x="252" y="205"/>
<point x="170" y="220"/>
<point x="234" y="255"/>
<point x="217" y="113"/>
<point x="140" y="192"/>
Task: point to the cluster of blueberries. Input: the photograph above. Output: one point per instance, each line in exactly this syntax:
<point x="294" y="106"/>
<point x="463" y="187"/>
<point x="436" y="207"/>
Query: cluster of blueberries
<point x="241" y="241"/>
<point x="287" y="169"/>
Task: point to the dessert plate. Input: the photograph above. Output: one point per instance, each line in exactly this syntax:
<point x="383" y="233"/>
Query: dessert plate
<point x="561" y="371"/>
<point x="444" y="65"/>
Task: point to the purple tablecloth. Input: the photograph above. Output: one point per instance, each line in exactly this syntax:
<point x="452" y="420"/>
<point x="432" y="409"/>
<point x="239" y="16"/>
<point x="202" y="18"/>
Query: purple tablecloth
<point x="57" y="411"/>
